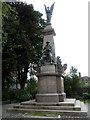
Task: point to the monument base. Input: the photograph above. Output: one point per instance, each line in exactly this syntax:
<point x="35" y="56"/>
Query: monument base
<point x="62" y="97"/>
<point x="50" y="85"/>
<point x="70" y="107"/>
<point x="51" y="97"/>
<point x="47" y="97"/>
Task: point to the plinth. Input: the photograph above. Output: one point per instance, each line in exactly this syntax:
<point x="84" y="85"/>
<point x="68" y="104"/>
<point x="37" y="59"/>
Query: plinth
<point x="50" y="85"/>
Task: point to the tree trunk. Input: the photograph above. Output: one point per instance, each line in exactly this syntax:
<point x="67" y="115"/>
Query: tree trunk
<point x="22" y="85"/>
<point x="22" y="76"/>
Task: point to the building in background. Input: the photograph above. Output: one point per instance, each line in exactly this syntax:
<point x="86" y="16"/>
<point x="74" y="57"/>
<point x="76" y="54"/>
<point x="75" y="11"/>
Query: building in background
<point x="86" y="80"/>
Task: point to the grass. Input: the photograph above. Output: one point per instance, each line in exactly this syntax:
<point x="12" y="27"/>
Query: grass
<point x="38" y="114"/>
<point x="86" y="101"/>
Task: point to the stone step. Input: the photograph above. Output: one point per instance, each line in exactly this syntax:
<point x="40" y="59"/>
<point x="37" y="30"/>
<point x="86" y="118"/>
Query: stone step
<point x="77" y="105"/>
<point x="83" y="107"/>
<point x="41" y="111"/>
<point x="67" y="102"/>
<point x="45" y="107"/>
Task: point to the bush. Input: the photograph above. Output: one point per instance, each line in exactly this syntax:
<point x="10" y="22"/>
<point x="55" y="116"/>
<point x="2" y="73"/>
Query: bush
<point x="7" y="95"/>
<point x="32" y="87"/>
<point x="22" y="95"/>
<point x="15" y="95"/>
<point x="86" y="95"/>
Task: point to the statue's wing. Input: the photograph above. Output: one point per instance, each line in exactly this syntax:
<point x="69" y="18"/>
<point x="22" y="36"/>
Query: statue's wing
<point x="51" y="9"/>
<point x="45" y="7"/>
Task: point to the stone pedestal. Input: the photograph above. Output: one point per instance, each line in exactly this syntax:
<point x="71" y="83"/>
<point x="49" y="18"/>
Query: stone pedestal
<point x="50" y="82"/>
<point x="49" y="33"/>
<point x="50" y="85"/>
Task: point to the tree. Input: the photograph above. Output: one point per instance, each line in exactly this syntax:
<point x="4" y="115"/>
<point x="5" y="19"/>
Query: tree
<point x="9" y="22"/>
<point x="22" y="39"/>
<point x="68" y="85"/>
<point x="72" y="82"/>
<point x="73" y="71"/>
<point x="32" y="87"/>
<point x="32" y="23"/>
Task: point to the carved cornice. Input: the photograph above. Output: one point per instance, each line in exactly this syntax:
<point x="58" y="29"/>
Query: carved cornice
<point x="49" y="32"/>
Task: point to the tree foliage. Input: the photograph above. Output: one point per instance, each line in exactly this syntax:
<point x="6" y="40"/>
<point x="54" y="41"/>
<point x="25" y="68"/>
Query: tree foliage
<point x="9" y="22"/>
<point x="22" y="39"/>
<point x="72" y="82"/>
<point x="32" y="87"/>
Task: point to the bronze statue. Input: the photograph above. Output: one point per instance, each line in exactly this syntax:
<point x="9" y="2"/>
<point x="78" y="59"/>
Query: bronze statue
<point x="46" y="55"/>
<point x="59" y="60"/>
<point x="49" y="13"/>
<point x="61" y="68"/>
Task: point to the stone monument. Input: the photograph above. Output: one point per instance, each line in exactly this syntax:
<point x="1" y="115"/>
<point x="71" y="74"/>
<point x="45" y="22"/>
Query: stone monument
<point x="51" y="97"/>
<point x="50" y="78"/>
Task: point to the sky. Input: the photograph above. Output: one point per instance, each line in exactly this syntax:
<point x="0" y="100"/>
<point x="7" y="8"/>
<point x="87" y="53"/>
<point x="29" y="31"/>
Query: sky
<point x="70" y="22"/>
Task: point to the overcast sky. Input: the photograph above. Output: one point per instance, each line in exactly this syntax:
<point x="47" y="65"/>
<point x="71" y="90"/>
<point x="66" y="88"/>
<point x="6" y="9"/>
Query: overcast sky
<point x="70" y="22"/>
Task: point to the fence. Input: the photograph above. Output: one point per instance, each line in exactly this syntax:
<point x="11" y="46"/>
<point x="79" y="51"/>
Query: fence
<point x="74" y="118"/>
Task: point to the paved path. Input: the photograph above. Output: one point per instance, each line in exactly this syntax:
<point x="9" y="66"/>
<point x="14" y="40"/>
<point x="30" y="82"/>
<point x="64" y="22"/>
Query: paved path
<point x="89" y="110"/>
<point x="8" y="115"/>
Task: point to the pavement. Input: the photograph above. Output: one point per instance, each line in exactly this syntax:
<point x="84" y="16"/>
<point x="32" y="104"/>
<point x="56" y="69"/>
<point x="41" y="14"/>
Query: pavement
<point x="13" y="115"/>
<point x="88" y="106"/>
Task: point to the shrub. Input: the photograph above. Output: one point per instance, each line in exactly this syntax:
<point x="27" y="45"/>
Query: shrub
<point x="86" y="95"/>
<point x="7" y="95"/>
<point x="19" y="94"/>
<point x="22" y="95"/>
<point x="32" y="87"/>
<point x="15" y="95"/>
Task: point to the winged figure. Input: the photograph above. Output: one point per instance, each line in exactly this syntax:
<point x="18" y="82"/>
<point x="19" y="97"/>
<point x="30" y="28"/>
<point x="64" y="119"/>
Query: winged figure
<point x="49" y="13"/>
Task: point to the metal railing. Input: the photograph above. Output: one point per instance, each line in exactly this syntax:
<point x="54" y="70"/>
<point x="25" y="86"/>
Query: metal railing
<point x="74" y="118"/>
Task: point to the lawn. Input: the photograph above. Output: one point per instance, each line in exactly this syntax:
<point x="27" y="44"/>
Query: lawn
<point x="86" y="101"/>
<point x="38" y="114"/>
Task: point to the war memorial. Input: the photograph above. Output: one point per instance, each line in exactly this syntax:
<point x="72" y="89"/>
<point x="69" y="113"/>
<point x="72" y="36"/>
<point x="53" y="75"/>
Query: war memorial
<point x="51" y="98"/>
